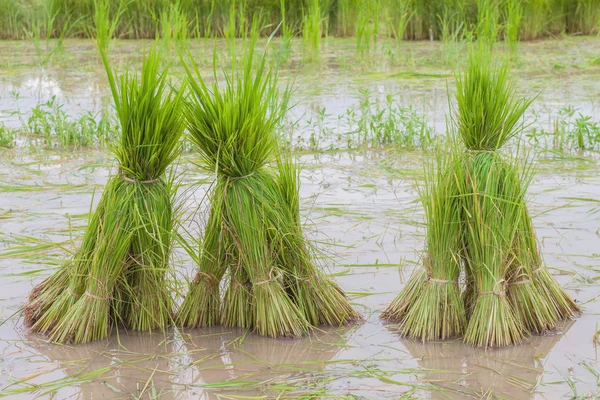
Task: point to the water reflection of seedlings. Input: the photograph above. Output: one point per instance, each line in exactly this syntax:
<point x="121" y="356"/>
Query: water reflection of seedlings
<point x="508" y="372"/>
<point x="251" y="365"/>
<point x="133" y="365"/>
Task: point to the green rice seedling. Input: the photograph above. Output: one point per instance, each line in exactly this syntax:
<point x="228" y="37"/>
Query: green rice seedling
<point x="399" y="15"/>
<point x="489" y="112"/>
<point x="514" y="15"/>
<point x="121" y="272"/>
<point x="374" y="125"/>
<point x="536" y="14"/>
<point x="12" y="19"/>
<point x="487" y="21"/>
<point x="7" y="137"/>
<point x="287" y="32"/>
<point x="452" y="21"/>
<point x="312" y="30"/>
<point x="41" y="29"/>
<point x="558" y="305"/>
<point x="319" y="298"/>
<point x="583" y="18"/>
<point x="251" y="233"/>
<point x="173" y="28"/>
<point x="346" y="16"/>
<point x="367" y="27"/>
<point x="105" y="26"/>
<point x="56" y="129"/>
<point x="488" y="115"/>
<point x="431" y="306"/>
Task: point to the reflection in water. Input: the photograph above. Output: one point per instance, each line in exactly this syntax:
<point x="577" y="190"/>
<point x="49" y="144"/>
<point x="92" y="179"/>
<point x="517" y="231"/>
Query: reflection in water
<point x="126" y="365"/>
<point x="223" y="357"/>
<point x="203" y="362"/>
<point x="510" y="372"/>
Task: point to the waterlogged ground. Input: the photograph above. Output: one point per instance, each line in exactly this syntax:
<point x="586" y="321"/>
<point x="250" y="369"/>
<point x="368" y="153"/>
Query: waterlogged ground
<point x="361" y="206"/>
<point x="414" y="74"/>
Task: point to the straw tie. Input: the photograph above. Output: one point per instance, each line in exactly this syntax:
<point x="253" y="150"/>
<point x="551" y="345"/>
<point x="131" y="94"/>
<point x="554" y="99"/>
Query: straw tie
<point x="435" y="280"/>
<point x="238" y="178"/>
<point x="498" y="290"/>
<point x="271" y="278"/>
<point x="211" y="279"/>
<point x="520" y="275"/>
<point x="428" y="268"/>
<point x="132" y="180"/>
<point x="93" y="296"/>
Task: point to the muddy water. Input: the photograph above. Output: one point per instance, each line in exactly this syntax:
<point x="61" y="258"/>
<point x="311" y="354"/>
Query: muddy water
<point x="360" y="206"/>
<point x="363" y="207"/>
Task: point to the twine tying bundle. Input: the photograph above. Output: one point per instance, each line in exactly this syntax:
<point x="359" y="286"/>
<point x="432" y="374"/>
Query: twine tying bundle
<point x="521" y="275"/>
<point x="237" y="178"/>
<point x="499" y="289"/>
<point x="272" y="278"/>
<point x="132" y="180"/>
<point x="93" y="296"/>
<point x="211" y="279"/>
<point x="435" y="280"/>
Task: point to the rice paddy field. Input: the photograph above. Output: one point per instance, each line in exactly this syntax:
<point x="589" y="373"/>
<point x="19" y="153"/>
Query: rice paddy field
<point x="362" y="125"/>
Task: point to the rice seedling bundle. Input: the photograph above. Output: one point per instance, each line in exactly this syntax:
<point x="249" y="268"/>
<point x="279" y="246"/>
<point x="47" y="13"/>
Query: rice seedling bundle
<point x="120" y="274"/>
<point x="253" y="242"/>
<point x="431" y="306"/>
<point x="478" y="223"/>
<point x="504" y="298"/>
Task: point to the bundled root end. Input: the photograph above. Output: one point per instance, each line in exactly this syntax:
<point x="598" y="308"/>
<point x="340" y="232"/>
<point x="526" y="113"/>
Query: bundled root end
<point x="554" y="296"/>
<point x="438" y="313"/>
<point x="87" y="320"/>
<point x="55" y="312"/>
<point x="43" y="295"/>
<point x="493" y="323"/>
<point x="147" y="302"/>
<point x="530" y="308"/>
<point x="323" y="302"/>
<point x="396" y="311"/>
<point x="237" y="305"/>
<point x="275" y="314"/>
<point x="201" y="306"/>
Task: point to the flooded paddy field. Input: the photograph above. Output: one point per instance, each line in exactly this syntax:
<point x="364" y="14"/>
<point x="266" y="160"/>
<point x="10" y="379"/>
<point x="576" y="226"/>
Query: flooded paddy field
<point x="359" y="202"/>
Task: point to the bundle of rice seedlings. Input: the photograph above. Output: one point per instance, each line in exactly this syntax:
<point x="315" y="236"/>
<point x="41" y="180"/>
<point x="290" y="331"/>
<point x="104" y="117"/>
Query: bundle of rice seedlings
<point x="253" y="234"/>
<point x="121" y="272"/>
<point x="536" y="312"/>
<point x="489" y="217"/>
<point x="431" y="306"/>
<point x="558" y="304"/>
<point x="319" y="297"/>
<point x="488" y="116"/>
<point x="56" y="294"/>
<point x="503" y="299"/>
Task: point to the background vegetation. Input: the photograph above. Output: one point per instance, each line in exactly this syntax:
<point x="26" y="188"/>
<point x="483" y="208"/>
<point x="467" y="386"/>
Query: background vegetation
<point x="365" y="19"/>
